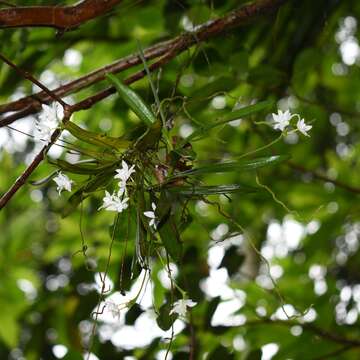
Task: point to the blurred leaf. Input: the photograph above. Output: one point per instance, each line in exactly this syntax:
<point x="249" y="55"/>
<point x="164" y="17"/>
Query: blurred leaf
<point x="266" y="75"/>
<point x="132" y="314"/>
<point x="210" y="310"/>
<point x="233" y="115"/>
<point x="232" y="260"/>
<point x="73" y="355"/>
<point x="197" y="190"/>
<point x="221" y="352"/>
<point x="168" y="229"/>
<point x="254" y="355"/>
<point x="9" y="329"/>
<point x="164" y="319"/>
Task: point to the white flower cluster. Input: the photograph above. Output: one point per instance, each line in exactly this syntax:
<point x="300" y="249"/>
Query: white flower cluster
<point x="49" y="120"/>
<point x="282" y="121"/>
<point x="117" y="201"/>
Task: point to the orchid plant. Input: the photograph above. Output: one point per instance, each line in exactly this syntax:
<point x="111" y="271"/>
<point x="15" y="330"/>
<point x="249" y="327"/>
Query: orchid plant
<point x="150" y="179"/>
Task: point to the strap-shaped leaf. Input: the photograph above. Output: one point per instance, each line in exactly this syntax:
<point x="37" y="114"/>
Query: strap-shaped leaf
<point x="233" y="115"/>
<point x="233" y="166"/>
<point x="95" y="182"/>
<point x="167" y="227"/>
<point x="140" y="239"/>
<point x="43" y="180"/>
<point x="133" y="100"/>
<point x="83" y="168"/>
<point x="212" y="190"/>
<point x="93" y="138"/>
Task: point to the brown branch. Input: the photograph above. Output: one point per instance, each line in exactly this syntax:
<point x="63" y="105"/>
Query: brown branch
<point x="337" y="352"/>
<point x="32" y="104"/>
<point x="63" y="18"/>
<point x="181" y="43"/>
<point x="325" y="334"/>
<point x="322" y="177"/>
<point x="206" y="31"/>
<point x="28" y="76"/>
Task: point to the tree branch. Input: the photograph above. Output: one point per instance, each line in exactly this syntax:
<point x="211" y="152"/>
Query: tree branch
<point x="322" y="177"/>
<point x="63" y="18"/>
<point x="235" y="18"/>
<point x="32" y="104"/>
<point x="325" y="334"/>
<point x="203" y="32"/>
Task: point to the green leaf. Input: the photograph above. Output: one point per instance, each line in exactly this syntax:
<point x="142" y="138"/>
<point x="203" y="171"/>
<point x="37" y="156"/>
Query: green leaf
<point x="221" y="352"/>
<point x="95" y="138"/>
<point x="266" y="75"/>
<point x="133" y="313"/>
<point x="150" y="137"/>
<point x="236" y="114"/>
<point x="232" y="260"/>
<point x="43" y="180"/>
<point x="140" y="238"/>
<point x="92" y="185"/>
<point x="164" y="319"/>
<point x="210" y="311"/>
<point x="133" y="100"/>
<point x="121" y="231"/>
<point x="9" y="329"/>
<point x="167" y="228"/>
<point x="233" y="166"/>
<point x="254" y="355"/>
<point x="212" y="190"/>
<point x="82" y="168"/>
<point x="73" y="355"/>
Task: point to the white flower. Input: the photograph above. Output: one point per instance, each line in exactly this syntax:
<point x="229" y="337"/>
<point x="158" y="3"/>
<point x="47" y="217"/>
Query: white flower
<point x="114" y="202"/>
<point x="302" y="127"/>
<point x="151" y="215"/>
<point x="124" y="173"/>
<point x="115" y="309"/>
<point x="107" y="199"/>
<point x="179" y="307"/>
<point x="48" y="122"/>
<point x="63" y="182"/>
<point x="281" y="120"/>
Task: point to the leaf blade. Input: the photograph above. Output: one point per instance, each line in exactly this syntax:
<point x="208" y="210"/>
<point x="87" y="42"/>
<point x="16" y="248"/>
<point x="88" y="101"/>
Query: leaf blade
<point x="133" y="100"/>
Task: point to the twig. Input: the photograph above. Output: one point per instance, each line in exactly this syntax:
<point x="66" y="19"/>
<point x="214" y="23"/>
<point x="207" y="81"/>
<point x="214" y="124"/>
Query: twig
<point x="328" y="335"/>
<point x="335" y="352"/>
<point x="325" y="178"/>
<point x="62" y="18"/>
<point x="233" y="19"/>
<point x="28" y="76"/>
<point x="31" y="104"/>
<point x="236" y="18"/>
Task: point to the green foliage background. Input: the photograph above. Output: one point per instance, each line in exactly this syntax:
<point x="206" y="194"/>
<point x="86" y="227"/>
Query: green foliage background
<point x="292" y="59"/>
